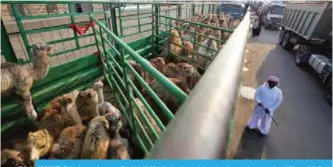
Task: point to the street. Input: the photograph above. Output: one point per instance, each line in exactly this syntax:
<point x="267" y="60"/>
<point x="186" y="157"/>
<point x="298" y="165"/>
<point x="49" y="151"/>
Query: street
<point x="305" y="118"/>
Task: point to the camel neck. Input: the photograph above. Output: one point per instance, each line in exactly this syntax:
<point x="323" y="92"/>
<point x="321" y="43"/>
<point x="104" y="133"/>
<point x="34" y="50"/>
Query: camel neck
<point x="40" y="67"/>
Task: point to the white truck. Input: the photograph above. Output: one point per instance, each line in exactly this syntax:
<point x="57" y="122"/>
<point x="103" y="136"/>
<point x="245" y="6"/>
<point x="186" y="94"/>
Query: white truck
<point x="271" y="15"/>
<point x="306" y="28"/>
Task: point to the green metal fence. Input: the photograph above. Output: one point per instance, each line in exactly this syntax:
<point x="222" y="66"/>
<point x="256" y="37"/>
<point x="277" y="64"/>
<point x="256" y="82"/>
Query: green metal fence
<point x="121" y="33"/>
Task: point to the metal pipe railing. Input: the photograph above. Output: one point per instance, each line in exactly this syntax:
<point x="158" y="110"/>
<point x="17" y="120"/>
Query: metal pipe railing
<point x="202" y="126"/>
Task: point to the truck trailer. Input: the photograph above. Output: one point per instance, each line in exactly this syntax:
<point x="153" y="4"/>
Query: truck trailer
<point x="306" y="28"/>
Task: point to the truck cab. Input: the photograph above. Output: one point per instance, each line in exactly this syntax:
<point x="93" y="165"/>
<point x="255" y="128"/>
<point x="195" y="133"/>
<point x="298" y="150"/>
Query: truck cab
<point x="271" y="15"/>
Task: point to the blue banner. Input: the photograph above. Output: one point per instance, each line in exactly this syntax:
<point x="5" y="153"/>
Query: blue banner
<point x="184" y="163"/>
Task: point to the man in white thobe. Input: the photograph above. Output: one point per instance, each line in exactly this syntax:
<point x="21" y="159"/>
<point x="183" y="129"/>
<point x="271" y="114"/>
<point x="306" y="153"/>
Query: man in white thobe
<point x="268" y="97"/>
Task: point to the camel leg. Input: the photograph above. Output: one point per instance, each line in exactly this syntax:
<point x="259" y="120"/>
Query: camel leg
<point x="28" y="106"/>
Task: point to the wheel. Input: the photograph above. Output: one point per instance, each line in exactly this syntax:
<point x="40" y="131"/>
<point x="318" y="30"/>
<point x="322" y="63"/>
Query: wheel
<point x="285" y="42"/>
<point x="328" y="91"/>
<point x="299" y="60"/>
<point x="281" y="36"/>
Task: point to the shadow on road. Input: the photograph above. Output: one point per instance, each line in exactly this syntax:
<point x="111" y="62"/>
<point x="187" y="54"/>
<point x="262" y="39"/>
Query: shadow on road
<point x="267" y="36"/>
<point x="250" y="146"/>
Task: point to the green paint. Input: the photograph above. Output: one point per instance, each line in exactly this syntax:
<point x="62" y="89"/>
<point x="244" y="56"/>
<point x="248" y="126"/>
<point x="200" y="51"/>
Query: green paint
<point x="22" y="31"/>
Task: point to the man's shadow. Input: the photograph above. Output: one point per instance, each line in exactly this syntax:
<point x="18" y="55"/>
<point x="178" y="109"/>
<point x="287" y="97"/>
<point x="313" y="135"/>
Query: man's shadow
<point x="250" y="146"/>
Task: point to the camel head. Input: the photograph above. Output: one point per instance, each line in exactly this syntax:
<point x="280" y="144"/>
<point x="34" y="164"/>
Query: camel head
<point x="41" y="49"/>
<point x="158" y="63"/>
<point x="39" y="144"/>
<point x="11" y="158"/>
<point x="174" y="35"/>
<point x="115" y="124"/>
<point x="188" y="47"/>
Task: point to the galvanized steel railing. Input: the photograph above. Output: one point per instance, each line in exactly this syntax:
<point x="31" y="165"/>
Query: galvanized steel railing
<point x="202" y="126"/>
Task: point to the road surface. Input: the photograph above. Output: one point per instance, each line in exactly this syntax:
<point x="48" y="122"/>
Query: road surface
<point x="305" y="118"/>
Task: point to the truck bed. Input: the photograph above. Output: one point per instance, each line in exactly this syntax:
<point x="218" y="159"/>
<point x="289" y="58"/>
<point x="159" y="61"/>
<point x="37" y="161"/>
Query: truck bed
<point x="311" y="20"/>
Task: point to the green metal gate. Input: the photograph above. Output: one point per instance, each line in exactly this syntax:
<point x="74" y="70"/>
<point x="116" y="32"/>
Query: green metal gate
<point x="121" y="33"/>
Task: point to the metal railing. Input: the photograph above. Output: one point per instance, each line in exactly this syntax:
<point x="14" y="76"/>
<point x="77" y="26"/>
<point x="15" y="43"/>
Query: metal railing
<point x="196" y="44"/>
<point x="202" y="126"/>
<point x="116" y="71"/>
<point x="199" y="113"/>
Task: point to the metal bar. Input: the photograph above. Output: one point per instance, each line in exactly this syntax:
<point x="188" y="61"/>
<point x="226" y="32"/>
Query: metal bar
<point x="202" y="8"/>
<point x="33" y="31"/>
<point x="168" y="13"/>
<point x="193" y="62"/>
<point x="193" y="9"/>
<point x="206" y="36"/>
<point x="135" y="33"/>
<point x="197" y="44"/>
<point x="139" y="109"/>
<point x="71" y="50"/>
<point x="149" y="109"/>
<point x="22" y="31"/>
<point x="166" y="20"/>
<point x="120" y="21"/>
<point x="141" y="144"/>
<point x="194" y="41"/>
<point x="103" y="44"/>
<point x="197" y="24"/>
<point x="106" y="16"/>
<point x="136" y="26"/>
<point x="138" y="7"/>
<point x="218" y="103"/>
<point x="77" y="43"/>
<point x="156" y="21"/>
<point x="127" y="87"/>
<point x="6" y="48"/>
<point x="45" y="16"/>
<point x="140" y="124"/>
<point x="69" y="39"/>
<point x="179" y="94"/>
<point x="134" y="18"/>
<point x="153" y="95"/>
<point x="153" y="28"/>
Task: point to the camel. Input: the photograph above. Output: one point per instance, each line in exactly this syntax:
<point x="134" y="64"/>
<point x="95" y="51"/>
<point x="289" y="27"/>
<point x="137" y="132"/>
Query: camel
<point x="18" y="79"/>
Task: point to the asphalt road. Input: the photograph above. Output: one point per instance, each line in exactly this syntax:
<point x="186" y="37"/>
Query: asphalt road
<point x="305" y="118"/>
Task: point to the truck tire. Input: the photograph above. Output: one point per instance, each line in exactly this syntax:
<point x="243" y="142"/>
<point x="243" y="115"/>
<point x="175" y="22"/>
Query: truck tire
<point x="328" y="91"/>
<point x="285" y="42"/>
<point x="281" y="36"/>
<point x="300" y="60"/>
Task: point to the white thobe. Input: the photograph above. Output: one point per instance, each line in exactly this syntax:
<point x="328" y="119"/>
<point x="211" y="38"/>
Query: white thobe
<point x="270" y="99"/>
